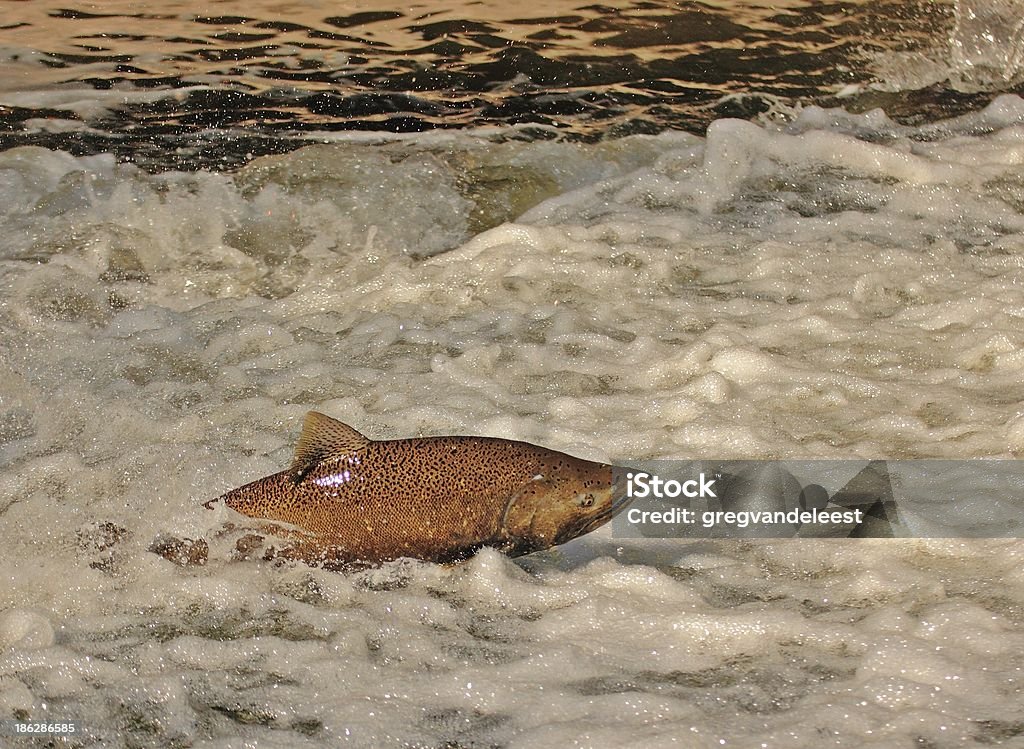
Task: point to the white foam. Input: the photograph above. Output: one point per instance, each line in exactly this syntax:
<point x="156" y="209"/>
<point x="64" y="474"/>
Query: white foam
<point x="25" y="630"/>
<point x="834" y="288"/>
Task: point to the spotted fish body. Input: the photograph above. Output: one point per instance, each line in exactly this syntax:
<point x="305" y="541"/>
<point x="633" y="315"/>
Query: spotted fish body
<point x="355" y="500"/>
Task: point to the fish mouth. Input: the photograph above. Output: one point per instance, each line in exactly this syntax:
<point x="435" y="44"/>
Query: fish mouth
<point x="612" y="507"/>
<point x="618" y="504"/>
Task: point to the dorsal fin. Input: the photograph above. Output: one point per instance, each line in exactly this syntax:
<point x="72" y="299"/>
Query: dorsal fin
<point x="323" y="437"/>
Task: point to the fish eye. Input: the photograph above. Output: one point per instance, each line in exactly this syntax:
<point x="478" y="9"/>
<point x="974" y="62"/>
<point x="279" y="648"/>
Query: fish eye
<point x="587" y="500"/>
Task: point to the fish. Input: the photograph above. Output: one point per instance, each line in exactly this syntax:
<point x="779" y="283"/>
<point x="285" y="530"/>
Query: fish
<point x="352" y="501"/>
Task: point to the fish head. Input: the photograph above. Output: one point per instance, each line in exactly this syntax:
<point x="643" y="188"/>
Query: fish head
<point x="565" y="499"/>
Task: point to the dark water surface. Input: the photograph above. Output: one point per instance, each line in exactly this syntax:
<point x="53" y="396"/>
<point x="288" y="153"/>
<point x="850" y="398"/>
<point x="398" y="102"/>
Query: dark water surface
<point x="186" y="85"/>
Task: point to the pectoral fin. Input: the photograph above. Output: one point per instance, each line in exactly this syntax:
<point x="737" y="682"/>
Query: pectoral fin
<point x="520" y="508"/>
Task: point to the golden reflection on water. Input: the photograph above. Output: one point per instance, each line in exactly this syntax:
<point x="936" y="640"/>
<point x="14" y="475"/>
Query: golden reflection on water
<point x="264" y="44"/>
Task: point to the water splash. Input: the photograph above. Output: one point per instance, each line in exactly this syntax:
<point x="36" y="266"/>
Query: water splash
<point x="987" y="44"/>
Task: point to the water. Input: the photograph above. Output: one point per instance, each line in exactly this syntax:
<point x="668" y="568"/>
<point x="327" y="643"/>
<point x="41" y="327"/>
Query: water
<point x="640" y="278"/>
<point x="176" y="87"/>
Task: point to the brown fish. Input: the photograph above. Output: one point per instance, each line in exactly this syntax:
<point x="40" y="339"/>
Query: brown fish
<point x="356" y="500"/>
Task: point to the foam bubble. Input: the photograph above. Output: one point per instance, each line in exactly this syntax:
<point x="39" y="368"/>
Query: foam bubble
<point x="25" y="630"/>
